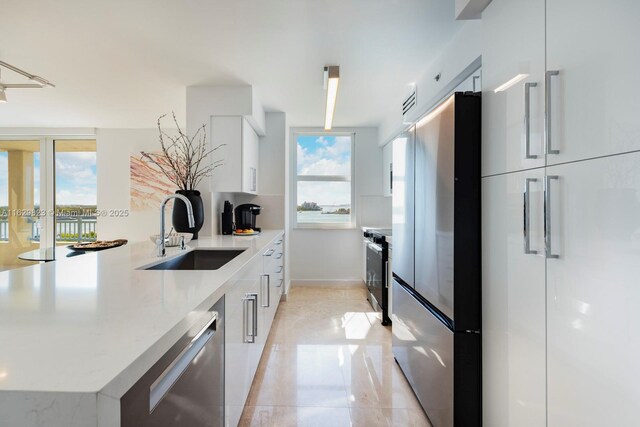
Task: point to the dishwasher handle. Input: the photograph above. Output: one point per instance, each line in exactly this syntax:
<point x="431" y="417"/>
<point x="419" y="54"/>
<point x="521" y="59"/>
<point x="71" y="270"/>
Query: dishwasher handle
<point x="167" y="379"/>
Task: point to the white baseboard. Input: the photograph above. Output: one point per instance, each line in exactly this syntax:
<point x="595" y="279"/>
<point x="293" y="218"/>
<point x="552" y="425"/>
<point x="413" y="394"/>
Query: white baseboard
<point x="327" y="283"/>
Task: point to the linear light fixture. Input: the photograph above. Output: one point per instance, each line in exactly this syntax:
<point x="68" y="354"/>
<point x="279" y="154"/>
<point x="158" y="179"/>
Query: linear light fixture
<point x="37" y="82"/>
<point x="331" y="81"/>
<point x="510" y="83"/>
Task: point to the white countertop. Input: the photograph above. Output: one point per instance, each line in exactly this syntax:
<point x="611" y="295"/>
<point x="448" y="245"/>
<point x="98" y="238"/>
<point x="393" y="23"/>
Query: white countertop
<point x="95" y="323"/>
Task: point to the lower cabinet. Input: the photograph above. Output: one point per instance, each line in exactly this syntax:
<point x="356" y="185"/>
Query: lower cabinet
<point x="561" y="261"/>
<point x="251" y="304"/>
<point x="513" y="301"/>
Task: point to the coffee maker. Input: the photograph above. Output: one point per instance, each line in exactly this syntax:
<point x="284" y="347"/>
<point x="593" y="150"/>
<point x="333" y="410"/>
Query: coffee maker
<point x="246" y="216"/>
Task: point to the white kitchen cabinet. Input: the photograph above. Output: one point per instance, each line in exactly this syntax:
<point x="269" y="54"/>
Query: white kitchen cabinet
<point x="387" y="169"/>
<point x="581" y="299"/>
<point x="272" y="280"/>
<point x="593" y="294"/>
<point x="239" y="174"/>
<point x="594" y="103"/>
<point x="585" y="89"/>
<point x="513" y="295"/>
<point x="513" y="39"/>
<point x="251" y="308"/>
<point x="242" y="306"/>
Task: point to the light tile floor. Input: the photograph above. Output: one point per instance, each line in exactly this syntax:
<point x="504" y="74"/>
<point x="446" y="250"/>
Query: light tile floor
<point x="328" y="362"/>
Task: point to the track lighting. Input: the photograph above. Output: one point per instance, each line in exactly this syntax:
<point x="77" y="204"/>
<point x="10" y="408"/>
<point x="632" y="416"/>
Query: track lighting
<point x="37" y="82"/>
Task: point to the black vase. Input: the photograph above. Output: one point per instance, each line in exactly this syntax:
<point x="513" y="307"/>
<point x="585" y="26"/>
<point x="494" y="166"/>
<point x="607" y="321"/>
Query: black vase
<point x="179" y="215"/>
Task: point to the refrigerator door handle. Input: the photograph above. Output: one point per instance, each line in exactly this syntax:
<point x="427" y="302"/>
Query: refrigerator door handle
<point x="526" y="208"/>
<point x="547" y="111"/>
<point x="527" y="120"/>
<point x="547" y="216"/>
<point x="386" y="272"/>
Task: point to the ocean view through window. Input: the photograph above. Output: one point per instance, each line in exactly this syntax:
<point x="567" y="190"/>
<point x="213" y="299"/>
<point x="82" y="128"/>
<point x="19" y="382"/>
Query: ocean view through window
<point x="324" y="187"/>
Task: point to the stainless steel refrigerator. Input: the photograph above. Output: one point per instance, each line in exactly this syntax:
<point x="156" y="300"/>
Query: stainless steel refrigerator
<point x="436" y="261"/>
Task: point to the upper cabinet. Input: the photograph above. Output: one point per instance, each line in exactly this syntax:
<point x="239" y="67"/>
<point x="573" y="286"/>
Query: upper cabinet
<point x="387" y="169"/>
<point x="513" y="71"/>
<point x="579" y="104"/>
<point x="593" y="105"/>
<point x="240" y="155"/>
<point x="235" y="118"/>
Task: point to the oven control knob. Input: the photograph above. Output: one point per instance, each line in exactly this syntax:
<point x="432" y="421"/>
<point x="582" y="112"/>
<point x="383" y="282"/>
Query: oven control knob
<point x="378" y="239"/>
<point x="367" y="234"/>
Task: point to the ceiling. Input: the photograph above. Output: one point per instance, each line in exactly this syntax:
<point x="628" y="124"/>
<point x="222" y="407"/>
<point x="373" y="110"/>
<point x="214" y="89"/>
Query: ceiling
<point x="123" y="63"/>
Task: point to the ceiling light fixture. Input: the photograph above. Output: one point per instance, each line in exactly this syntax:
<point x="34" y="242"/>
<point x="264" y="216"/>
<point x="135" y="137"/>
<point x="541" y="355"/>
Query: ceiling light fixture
<point x="37" y="82"/>
<point x="331" y="81"/>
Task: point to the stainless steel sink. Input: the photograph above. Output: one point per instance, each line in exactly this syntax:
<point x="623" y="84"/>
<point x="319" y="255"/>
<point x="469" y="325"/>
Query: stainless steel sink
<point x="199" y="259"/>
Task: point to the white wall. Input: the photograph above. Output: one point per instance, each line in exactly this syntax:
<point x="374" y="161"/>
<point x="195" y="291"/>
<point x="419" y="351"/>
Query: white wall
<point x="328" y="256"/>
<point x="463" y="49"/>
<point x="114" y="147"/>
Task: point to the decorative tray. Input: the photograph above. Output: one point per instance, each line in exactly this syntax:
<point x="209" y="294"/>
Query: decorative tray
<point x="253" y="233"/>
<point x="98" y="245"/>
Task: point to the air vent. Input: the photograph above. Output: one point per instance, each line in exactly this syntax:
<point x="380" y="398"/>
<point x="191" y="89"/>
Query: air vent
<point x="409" y="103"/>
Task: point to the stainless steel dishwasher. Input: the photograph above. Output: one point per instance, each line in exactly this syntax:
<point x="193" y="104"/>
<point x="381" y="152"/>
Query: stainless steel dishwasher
<point x="186" y="386"/>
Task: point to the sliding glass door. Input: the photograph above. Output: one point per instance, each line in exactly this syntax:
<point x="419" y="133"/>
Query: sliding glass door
<point x="75" y="191"/>
<point x="47" y="195"/>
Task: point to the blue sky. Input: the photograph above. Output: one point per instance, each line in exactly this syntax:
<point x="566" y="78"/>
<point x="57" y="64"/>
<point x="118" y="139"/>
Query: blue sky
<point x="75" y="178"/>
<point x="324" y="155"/>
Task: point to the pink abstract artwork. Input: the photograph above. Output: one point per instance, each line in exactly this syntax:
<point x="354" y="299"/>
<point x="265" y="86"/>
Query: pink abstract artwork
<point x="148" y="185"/>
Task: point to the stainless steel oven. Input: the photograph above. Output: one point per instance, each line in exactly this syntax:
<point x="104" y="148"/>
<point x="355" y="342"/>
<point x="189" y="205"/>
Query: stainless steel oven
<point x="376" y="272"/>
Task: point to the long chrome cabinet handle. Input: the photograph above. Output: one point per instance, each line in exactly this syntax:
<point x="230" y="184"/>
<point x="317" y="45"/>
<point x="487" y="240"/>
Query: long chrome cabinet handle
<point x="526" y="208"/>
<point x="547" y="111"/>
<point x="250" y="335"/>
<point x="168" y="377"/>
<point x="547" y="216"/>
<point x="255" y="315"/>
<point x="527" y="120"/>
<point x="267" y="293"/>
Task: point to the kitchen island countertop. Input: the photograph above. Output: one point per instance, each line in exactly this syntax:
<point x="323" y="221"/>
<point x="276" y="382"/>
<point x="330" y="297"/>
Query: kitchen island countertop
<point x="75" y="334"/>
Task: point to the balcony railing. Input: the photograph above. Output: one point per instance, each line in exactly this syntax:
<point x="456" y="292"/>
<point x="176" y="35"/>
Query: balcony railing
<point x="68" y="229"/>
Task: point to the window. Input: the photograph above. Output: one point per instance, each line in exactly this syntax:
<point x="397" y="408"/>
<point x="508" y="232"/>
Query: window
<point x="324" y="196"/>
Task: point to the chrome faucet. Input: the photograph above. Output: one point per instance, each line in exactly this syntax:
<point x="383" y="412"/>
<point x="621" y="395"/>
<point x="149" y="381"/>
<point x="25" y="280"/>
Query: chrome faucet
<point x="190" y="218"/>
